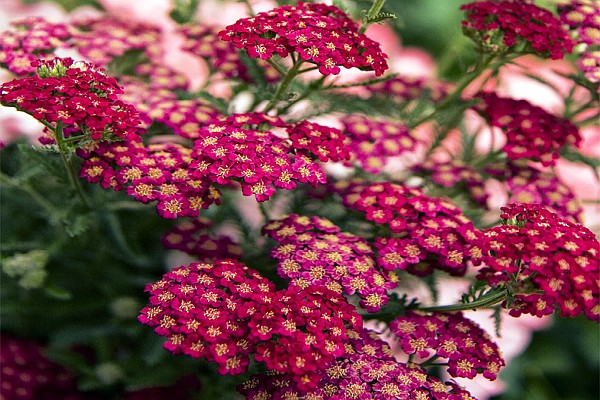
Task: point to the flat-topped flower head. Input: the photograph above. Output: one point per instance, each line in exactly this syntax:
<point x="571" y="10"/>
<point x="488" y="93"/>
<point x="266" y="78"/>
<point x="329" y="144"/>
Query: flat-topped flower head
<point x="239" y="149"/>
<point x="34" y="38"/>
<point x="192" y="237"/>
<point x="531" y="132"/>
<point x="544" y="261"/>
<point x="313" y="251"/>
<point x="373" y="141"/>
<point x="26" y="374"/>
<point x="589" y="64"/>
<point x="367" y="371"/>
<point x="468" y="349"/>
<point x="76" y="95"/>
<point x="501" y="25"/>
<point x="317" y="33"/>
<point x="582" y="17"/>
<point x="426" y="233"/>
<point x="225" y="312"/>
<point x="158" y="172"/>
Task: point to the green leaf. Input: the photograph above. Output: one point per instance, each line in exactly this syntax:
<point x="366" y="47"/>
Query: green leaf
<point x="184" y="10"/>
<point x="381" y="17"/>
<point x="58" y="293"/>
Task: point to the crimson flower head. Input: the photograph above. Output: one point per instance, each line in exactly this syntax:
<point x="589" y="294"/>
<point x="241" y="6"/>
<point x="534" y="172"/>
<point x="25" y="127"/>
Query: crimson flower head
<point x="314" y="251"/>
<point x="544" y="261"/>
<point x="426" y="233"/>
<point x="320" y="34"/>
<point x="531" y="132"/>
<point x="238" y="149"/>
<point x="76" y="95"/>
<point x="468" y="348"/>
<point x="225" y="312"/>
<point x="367" y="371"/>
<point x="499" y="25"/>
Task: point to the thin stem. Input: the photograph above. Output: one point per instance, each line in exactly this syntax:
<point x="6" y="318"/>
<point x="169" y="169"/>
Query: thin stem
<point x="283" y="85"/>
<point x="264" y="211"/>
<point x="485" y="301"/>
<point x="67" y="162"/>
<point x="277" y="67"/>
<point x="249" y="7"/>
<point x="373" y="11"/>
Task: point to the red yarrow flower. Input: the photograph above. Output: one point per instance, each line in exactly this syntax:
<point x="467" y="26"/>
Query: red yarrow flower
<point x="76" y="95"/>
<point x="426" y="233"/>
<point x="225" y="312"/>
<point x="235" y="150"/>
<point x="313" y="251"/>
<point x="469" y="350"/>
<point x="531" y="132"/>
<point x="26" y="374"/>
<point x="320" y="34"/>
<point x="497" y="26"/>
<point x="544" y="261"/>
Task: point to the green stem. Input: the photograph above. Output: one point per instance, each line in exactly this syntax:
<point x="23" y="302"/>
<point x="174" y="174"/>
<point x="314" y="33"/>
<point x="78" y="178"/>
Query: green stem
<point x="249" y="7"/>
<point x="67" y="159"/>
<point x="264" y="211"/>
<point x="373" y="11"/>
<point x="283" y="85"/>
<point x="488" y="300"/>
<point x="276" y="66"/>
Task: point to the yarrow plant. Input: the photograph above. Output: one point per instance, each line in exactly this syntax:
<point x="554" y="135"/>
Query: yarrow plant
<point x="260" y="209"/>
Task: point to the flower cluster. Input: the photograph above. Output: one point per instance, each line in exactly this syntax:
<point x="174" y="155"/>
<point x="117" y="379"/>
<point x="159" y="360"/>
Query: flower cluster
<point x="102" y="39"/>
<point x="468" y="348"/>
<point x="500" y="25"/>
<point x="317" y="33"/>
<point x="26" y="374"/>
<point x="531" y="132"/>
<point x="368" y="371"/>
<point x="527" y="184"/>
<point x="190" y="236"/>
<point x="204" y="41"/>
<point x="225" y="312"/>
<point x="157" y="172"/>
<point x="261" y="160"/>
<point x="427" y="232"/>
<point x="454" y="173"/>
<point x="407" y="88"/>
<point x="34" y="38"/>
<point x="582" y="17"/>
<point x="373" y="142"/>
<point x="544" y="260"/>
<point x="313" y="251"/>
<point x="75" y="95"/>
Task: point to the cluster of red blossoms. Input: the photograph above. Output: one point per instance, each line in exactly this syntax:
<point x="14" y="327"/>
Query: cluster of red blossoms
<point x="452" y="173"/>
<point x="313" y="251"/>
<point x="499" y="25"/>
<point x="468" y="348"/>
<point x="373" y="142"/>
<point x="367" y="371"/>
<point x="527" y="184"/>
<point x="76" y="95"/>
<point x="546" y="261"/>
<point x="157" y="172"/>
<point x="427" y="233"/>
<point x="192" y="238"/>
<point x="582" y="17"/>
<point x="230" y="151"/>
<point x="34" y="38"/>
<point x="225" y="312"/>
<point x="204" y="41"/>
<point x="26" y="374"/>
<point x="531" y="132"/>
<point x="320" y="34"/>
